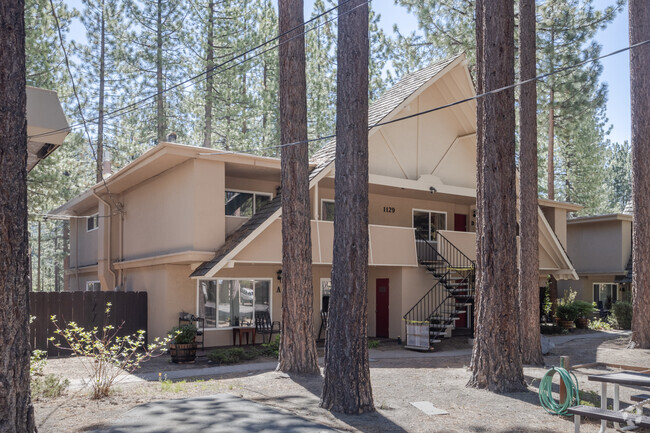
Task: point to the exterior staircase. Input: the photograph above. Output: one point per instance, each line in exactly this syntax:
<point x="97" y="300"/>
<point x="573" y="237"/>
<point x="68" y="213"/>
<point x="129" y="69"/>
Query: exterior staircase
<point x="453" y="292"/>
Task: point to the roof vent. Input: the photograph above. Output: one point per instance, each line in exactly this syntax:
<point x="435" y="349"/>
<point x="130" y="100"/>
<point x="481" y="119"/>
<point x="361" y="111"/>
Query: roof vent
<point x="172" y="137"/>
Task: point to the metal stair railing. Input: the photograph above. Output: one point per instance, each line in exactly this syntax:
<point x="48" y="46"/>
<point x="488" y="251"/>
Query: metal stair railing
<point x="455" y="275"/>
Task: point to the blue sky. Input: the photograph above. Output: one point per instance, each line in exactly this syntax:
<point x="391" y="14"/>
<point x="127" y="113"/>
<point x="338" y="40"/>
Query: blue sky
<point x="616" y="71"/>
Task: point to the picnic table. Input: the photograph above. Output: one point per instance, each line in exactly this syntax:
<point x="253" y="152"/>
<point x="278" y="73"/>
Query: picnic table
<point x="624" y="378"/>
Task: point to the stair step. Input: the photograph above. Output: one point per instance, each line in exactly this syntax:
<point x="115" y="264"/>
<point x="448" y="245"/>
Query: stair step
<point x="441" y="325"/>
<point x="446" y="318"/>
<point x="434" y="341"/>
<point x="437" y="333"/>
<point x="463" y="304"/>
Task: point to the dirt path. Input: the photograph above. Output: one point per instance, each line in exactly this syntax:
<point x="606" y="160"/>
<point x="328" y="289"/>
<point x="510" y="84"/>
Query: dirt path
<point x="396" y="383"/>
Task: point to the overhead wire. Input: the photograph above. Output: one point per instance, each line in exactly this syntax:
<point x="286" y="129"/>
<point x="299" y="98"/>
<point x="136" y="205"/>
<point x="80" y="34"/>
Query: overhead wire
<point x="210" y="72"/>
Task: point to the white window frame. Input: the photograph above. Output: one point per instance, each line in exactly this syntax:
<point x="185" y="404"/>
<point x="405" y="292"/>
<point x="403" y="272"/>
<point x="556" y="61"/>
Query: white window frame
<point x="93" y="283"/>
<point x="94" y="217"/>
<point x="267" y="194"/>
<point x="322" y="208"/>
<point x="217" y="328"/>
<point x="323" y="280"/>
<point x="429" y="211"/>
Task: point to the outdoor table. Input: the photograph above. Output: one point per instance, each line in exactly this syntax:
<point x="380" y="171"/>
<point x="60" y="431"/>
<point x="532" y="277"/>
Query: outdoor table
<point x="623" y="378"/>
<point x="241" y="331"/>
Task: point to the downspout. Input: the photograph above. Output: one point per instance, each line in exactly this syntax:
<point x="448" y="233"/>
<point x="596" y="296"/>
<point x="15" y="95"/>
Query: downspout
<point x="110" y="214"/>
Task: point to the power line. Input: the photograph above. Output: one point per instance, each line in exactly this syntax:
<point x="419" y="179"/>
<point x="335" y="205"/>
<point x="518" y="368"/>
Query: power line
<point x="76" y="95"/>
<point x="213" y="70"/>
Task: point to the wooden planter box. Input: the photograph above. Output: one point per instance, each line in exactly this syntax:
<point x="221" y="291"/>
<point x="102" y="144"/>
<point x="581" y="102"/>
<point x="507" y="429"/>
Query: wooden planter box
<point x="582" y="323"/>
<point x="183" y="352"/>
<point x="568" y="324"/>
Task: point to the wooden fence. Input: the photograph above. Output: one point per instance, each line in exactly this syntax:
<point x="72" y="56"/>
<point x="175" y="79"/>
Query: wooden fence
<point x="87" y="309"/>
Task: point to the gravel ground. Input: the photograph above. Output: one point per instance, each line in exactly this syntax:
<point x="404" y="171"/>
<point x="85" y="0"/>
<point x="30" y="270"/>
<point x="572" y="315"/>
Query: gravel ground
<point x="396" y="383"/>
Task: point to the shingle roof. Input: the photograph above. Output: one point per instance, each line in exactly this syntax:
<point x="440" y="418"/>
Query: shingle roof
<point x="377" y="112"/>
<point x="629" y="207"/>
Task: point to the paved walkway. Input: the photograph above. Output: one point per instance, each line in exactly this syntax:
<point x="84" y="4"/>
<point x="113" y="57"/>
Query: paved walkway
<point x="374" y="355"/>
<point x="219" y="413"/>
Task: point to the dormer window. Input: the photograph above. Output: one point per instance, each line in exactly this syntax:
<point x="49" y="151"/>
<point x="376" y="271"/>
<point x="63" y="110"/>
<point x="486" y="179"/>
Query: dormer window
<point x="92" y="223"/>
<point x="245" y="204"/>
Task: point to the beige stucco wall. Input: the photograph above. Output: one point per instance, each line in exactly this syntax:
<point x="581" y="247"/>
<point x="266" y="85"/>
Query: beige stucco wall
<point x="584" y="287"/>
<point x="600" y="247"/>
<point x="185" y="203"/>
<point x="79" y="279"/>
<point x="83" y="244"/>
<point x="403" y="215"/>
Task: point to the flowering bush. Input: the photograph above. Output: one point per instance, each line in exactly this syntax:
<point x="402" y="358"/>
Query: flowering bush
<point x="104" y="354"/>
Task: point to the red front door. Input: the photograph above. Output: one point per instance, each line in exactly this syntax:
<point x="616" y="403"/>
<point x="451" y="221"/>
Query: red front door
<point x="382" y="307"/>
<point x="460" y="222"/>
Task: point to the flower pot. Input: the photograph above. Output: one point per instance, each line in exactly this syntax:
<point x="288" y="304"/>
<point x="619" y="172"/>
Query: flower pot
<point x="183" y="352"/>
<point x="582" y="323"/>
<point x="567" y="324"/>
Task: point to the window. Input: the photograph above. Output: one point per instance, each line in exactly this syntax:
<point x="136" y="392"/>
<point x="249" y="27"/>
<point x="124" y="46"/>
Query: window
<point x="327" y="210"/>
<point x="93" y="286"/>
<point x="427" y="223"/>
<point x="228" y="303"/>
<point x="92" y="223"/>
<point x="325" y="291"/>
<point x="245" y="204"/>
<point x="605" y="294"/>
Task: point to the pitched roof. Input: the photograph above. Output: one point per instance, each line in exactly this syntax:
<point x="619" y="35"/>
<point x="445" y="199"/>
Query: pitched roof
<point x="629" y="207"/>
<point x="325" y="156"/>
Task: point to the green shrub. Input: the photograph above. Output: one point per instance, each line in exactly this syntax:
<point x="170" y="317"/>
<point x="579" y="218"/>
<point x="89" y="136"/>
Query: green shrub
<point x="104" y="354"/>
<point x="37" y="362"/>
<point x="585" y="309"/>
<point x="567" y="312"/>
<point x="272" y="348"/>
<point x="599" y="325"/>
<point x="231" y="356"/>
<point x="373" y="344"/>
<point x="621" y="315"/>
<point x="49" y="386"/>
<point x="184" y="334"/>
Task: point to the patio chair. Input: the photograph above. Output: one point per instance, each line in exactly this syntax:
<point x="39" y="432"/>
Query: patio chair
<point x="264" y="325"/>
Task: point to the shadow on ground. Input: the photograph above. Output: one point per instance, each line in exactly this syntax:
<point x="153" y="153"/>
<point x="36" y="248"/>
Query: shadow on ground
<point x="216" y="413"/>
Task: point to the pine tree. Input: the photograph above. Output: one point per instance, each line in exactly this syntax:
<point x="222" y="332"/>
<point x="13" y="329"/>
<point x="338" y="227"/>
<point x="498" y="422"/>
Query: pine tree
<point x="529" y="341"/>
<point x="496" y="359"/>
<point x="346" y="385"/>
<point x="16" y="409"/>
<point x="640" y="90"/>
<point x="156" y="62"/>
<point x="618" y="176"/>
<point x="297" y="345"/>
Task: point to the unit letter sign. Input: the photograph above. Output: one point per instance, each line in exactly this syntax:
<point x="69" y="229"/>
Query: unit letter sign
<point x="388" y="209"/>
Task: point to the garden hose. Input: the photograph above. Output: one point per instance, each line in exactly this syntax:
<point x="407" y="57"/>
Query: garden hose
<point x="546" y="391"/>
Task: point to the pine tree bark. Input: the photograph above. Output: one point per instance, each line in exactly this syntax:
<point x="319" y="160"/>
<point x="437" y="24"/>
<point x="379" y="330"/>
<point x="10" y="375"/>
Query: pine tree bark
<point x="16" y="410"/>
<point x="346" y="387"/>
<point x="209" y="81"/>
<point x="529" y="338"/>
<point x="161" y="124"/>
<point x="298" y="345"/>
<point x="640" y="90"/>
<point x="496" y="360"/>
<point x="102" y="77"/>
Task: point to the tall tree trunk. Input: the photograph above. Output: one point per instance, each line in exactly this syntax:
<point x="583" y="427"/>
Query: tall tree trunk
<point x="298" y="345"/>
<point x="209" y="81"/>
<point x="480" y="122"/>
<point x="640" y="90"/>
<point x="160" y="100"/>
<point x="346" y="387"/>
<point x="38" y="260"/>
<point x="529" y="338"/>
<point x="16" y="410"/>
<point x="550" y="166"/>
<point x="100" y="117"/>
<point x="496" y="360"/>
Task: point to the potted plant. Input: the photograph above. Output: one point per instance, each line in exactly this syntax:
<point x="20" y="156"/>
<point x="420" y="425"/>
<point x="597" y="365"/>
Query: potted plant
<point x="567" y="314"/>
<point x="585" y="310"/>
<point x="183" y="346"/>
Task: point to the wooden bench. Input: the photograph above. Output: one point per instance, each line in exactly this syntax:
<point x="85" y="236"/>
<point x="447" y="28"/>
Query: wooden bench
<point x="264" y="325"/>
<point x="607" y="415"/>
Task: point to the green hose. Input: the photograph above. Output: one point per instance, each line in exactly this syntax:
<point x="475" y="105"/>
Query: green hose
<point x="546" y="395"/>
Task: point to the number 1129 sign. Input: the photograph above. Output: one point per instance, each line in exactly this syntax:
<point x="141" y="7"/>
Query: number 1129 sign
<point x="388" y="209"/>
